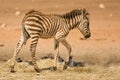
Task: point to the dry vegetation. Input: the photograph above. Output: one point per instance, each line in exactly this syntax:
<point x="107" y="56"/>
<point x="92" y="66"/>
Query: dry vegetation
<point x="26" y="72"/>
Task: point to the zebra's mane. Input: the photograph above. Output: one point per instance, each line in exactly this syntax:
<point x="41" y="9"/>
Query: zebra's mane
<point x="33" y="11"/>
<point x="68" y="15"/>
<point x="74" y="13"/>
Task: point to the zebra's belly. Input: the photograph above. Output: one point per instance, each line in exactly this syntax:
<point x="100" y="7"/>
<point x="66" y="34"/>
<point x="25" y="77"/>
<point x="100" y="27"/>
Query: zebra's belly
<point x="47" y="36"/>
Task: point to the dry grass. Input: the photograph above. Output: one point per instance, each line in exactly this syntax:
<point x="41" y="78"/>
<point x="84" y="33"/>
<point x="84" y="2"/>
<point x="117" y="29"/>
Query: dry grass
<point x="102" y="59"/>
<point x="26" y="72"/>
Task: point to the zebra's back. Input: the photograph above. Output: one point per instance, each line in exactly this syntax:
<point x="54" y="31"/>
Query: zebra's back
<point x="44" y="26"/>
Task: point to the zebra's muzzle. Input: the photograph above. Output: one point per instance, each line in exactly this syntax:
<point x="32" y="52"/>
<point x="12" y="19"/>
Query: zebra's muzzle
<point x="87" y="36"/>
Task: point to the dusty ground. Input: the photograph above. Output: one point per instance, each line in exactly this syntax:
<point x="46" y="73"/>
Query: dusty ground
<point x="26" y="72"/>
<point x="103" y="48"/>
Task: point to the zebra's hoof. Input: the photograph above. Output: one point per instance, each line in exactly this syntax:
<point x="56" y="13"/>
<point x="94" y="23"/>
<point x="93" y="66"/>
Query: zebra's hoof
<point x="54" y="68"/>
<point x="12" y="71"/>
<point x="65" y="67"/>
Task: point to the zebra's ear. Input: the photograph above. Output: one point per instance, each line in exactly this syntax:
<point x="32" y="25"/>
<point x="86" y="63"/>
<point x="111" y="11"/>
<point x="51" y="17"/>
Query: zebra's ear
<point x="85" y="11"/>
<point x="82" y="11"/>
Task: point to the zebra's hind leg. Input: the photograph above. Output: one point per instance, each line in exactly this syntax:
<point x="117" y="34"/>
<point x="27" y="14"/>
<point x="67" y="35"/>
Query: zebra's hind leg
<point x="17" y="50"/>
<point x="67" y="62"/>
<point x="34" y="41"/>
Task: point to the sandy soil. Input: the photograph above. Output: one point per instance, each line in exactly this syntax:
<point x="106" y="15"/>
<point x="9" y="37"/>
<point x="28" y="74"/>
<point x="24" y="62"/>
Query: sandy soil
<point x="102" y="48"/>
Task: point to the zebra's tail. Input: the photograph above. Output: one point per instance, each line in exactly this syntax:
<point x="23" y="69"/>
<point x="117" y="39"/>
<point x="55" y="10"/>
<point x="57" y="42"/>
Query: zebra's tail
<point x="26" y="36"/>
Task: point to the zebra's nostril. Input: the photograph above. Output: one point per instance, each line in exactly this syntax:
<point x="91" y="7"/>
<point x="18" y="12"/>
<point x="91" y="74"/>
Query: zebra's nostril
<point x="87" y="36"/>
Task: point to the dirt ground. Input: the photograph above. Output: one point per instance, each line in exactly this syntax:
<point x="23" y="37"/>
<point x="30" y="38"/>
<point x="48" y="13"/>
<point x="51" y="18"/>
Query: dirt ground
<point x="103" y="48"/>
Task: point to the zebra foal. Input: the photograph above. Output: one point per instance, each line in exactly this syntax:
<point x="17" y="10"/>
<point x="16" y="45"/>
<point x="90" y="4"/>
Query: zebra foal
<point x="37" y="25"/>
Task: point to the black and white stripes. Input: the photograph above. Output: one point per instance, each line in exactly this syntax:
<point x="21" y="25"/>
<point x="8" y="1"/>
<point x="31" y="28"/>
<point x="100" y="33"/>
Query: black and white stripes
<point x="37" y="25"/>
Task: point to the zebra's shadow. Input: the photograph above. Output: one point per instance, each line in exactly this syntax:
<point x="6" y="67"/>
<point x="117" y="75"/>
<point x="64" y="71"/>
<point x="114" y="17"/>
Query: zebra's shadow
<point x="61" y="60"/>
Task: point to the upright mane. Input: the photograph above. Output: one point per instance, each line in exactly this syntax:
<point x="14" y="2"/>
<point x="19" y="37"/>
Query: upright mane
<point x="33" y="11"/>
<point x="74" y="13"/>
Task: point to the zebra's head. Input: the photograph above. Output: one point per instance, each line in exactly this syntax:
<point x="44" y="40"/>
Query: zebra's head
<point x="79" y="18"/>
<point x="83" y="24"/>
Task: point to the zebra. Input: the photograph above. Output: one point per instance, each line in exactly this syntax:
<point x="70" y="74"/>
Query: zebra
<point x="37" y="25"/>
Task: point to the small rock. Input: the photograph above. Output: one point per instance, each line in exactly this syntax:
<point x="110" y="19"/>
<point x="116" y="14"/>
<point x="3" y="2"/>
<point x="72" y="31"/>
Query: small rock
<point x="76" y="64"/>
<point x="30" y="62"/>
<point x="1" y="45"/>
<point x="51" y="56"/>
<point x="3" y="25"/>
<point x="102" y="6"/>
<point x="38" y="74"/>
<point x="82" y="38"/>
<point x="19" y="60"/>
<point x="17" y="13"/>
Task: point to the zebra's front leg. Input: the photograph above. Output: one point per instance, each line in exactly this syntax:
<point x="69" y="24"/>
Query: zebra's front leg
<point x="56" y="49"/>
<point x="67" y="62"/>
<point x="33" y="50"/>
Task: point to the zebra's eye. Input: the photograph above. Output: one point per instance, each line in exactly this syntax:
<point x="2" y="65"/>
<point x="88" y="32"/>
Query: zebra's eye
<point x="85" y="23"/>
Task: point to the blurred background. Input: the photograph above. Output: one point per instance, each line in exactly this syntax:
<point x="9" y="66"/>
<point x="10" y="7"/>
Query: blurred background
<point x="99" y="10"/>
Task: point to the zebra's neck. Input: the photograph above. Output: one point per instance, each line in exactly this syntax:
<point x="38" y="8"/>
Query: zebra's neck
<point x="72" y="22"/>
